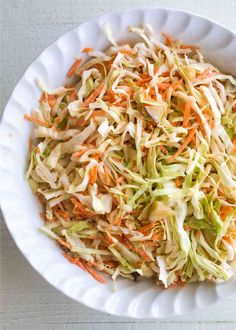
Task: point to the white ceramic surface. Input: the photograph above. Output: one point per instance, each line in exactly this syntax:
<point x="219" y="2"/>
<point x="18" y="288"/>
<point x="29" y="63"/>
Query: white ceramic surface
<point x="21" y="209"/>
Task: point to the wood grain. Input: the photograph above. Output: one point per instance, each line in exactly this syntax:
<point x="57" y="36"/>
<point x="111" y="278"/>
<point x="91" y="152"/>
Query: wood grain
<point x="27" y="300"/>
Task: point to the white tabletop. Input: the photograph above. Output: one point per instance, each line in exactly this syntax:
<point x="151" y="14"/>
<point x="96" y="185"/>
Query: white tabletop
<point x="27" y="300"/>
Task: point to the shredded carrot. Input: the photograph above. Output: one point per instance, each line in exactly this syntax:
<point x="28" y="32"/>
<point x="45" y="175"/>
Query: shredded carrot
<point x="78" y="154"/>
<point x="157" y="237"/>
<point x="52" y="100"/>
<point x="108" y="65"/>
<point x="220" y="193"/>
<point x="179" y="182"/>
<point x="73" y="95"/>
<point x="145" y="75"/>
<point x="74" y="67"/>
<point x="142" y="254"/>
<point x="163" y="86"/>
<point x="93" y="174"/>
<point x="186" y="227"/>
<point x="36" y="120"/>
<point x="164" y="94"/>
<point x="92" y="97"/>
<point x="108" y="180"/>
<point x="200" y="124"/>
<point x="198" y="233"/>
<point x="150" y="243"/>
<point x="43" y="216"/>
<point x="63" y="214"/>
<point x="30" y="143"/>
<point x="176" y="84"/>
<point x="205" y="74"/>
<point x="127" y="242"/>
<point x="225" y="210"/>
<point x="168" y="39"/>
<point x="234" y="141"/>
<point x="111" y="263"/>
<point x="80" y="209"/>
<point x="42" y="97"/>
<point x="117" y="221"/>
<point x="163" y="149"/>
<point x="187" y="109"/>
<point x="121" y="179"/>
<point x="98" y="113"/>
<point x="143" y="81"/>
<point x="147" y="227"/>
<point x="64" y="243"/>
<point x="110" y="96"/>
<point x="185" y="46"/>
<point x="189" y="138"/>
<point x="115" y="200"/>
<point x="75" y="261"/>
<point x="127" y="52"/>
<point x="87" y="50"/>
<point x="85" y="267"/>
<point x="94" y="274"/>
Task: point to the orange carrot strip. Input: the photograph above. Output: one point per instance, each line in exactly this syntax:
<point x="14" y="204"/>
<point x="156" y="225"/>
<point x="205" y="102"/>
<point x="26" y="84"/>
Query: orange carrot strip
<point x="163" y="86"/>
<point x="234" y="141"/>
<point x="80" y="209"/>
<point x="143" y="254"/>
<point x="92" y="97"/>
<point x="176" y="84"/>
<point x="185" y="46"/>
<point x="184" y="145"/>
<point x="52" y="100"/>
<point x="98" y="113"/>
<point x="108" y="180"/>
<point x="73" y="95"/>
<point x="164" y="150"/>
<point x="74" y="67"/>
<point x="93" y="174"/>
<point x="111" y="263"/>
<point x="36" y="120"/>
<point x="143" y="81"/>
<point x="144" y="75"/>
<point x="187" y="109"/>
<point x="78" y="154"/>
<point x="147" y="227"/>
<point x="117" y="221"/>
<point x="63" y="214"/>
<point x="127" y="52"/>
<point x="120" y="179"/>
<point x="225" y="211"/>
<point x="75" y="261"/>
<point x="179" y="181"/>
<point x="205" y="74"/>
<point x="64" y="243"/>
<point x="94" y="274"/>
<point x="87" y="50"/>
<point x="168" y="39"/>
<point x="157" y="237"/>
<point x="186" y="227"/>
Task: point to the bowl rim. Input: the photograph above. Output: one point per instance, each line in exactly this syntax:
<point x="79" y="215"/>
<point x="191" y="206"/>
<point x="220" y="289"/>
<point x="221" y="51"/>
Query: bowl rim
<point x="7" y="219"/>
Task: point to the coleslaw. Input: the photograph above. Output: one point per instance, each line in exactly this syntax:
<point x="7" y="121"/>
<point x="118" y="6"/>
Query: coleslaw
<point x="134" y="161"/>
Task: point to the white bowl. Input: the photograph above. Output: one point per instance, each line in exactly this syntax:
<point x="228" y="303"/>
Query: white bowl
<point x="20" y="207"/>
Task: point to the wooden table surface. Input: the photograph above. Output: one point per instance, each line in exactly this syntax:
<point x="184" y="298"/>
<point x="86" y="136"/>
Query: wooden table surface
<point x="27" y="300"/>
